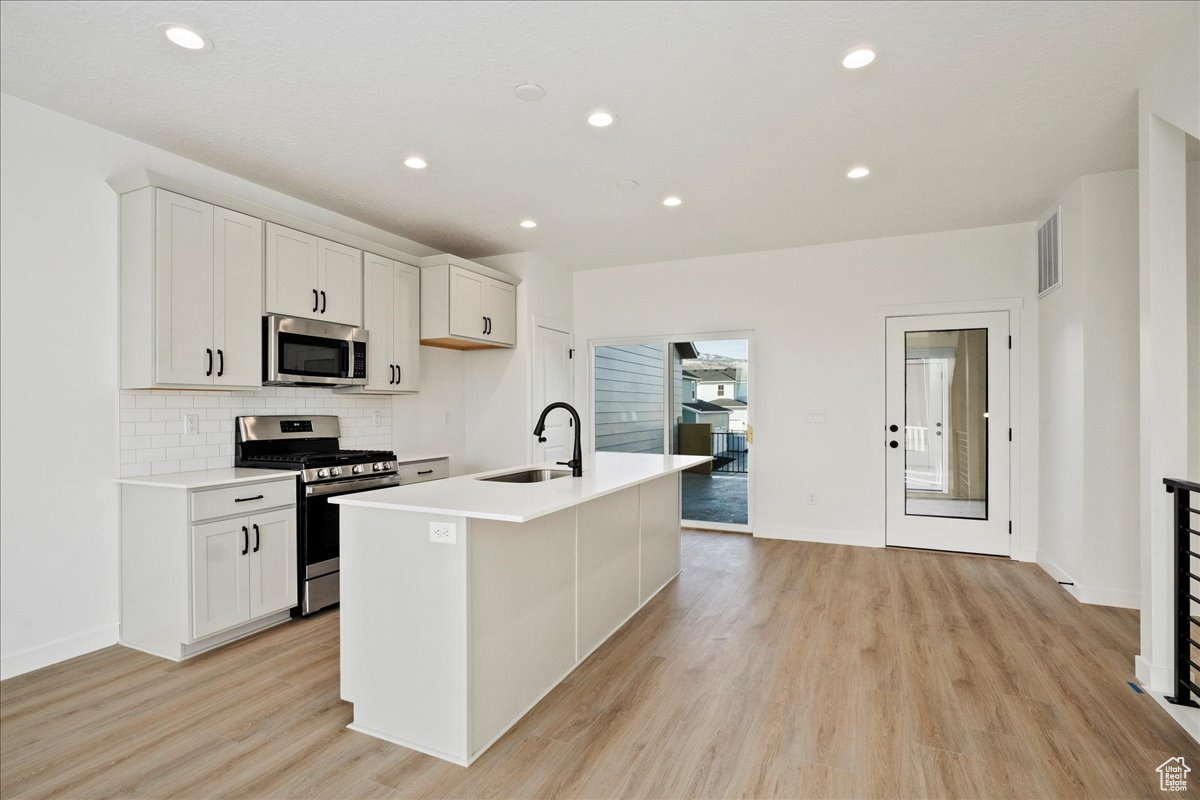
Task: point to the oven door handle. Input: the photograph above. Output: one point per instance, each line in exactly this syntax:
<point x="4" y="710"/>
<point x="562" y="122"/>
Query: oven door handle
<point x="356" y="485"/>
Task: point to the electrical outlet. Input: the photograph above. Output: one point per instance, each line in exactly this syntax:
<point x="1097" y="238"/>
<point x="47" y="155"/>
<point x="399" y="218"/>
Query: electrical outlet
<point x="812" y="498"/>
<point x="191" y="424"/>
<point x="443" y="532"/>
<point x="376" y="417"/>
<point x="816" y="415"/>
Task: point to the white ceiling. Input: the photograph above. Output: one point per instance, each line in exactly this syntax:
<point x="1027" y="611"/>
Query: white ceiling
<point x="974" y="113"/>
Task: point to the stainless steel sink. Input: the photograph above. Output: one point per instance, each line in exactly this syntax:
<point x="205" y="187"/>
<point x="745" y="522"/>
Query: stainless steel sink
<point x="529" y="476"/>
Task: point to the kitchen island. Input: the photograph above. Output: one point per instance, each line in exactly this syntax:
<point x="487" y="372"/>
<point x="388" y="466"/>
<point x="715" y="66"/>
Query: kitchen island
<point x="465" y="601"/>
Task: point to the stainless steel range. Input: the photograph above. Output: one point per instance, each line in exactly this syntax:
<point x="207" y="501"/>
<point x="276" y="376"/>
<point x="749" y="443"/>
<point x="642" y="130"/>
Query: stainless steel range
<point x="310" y="444"/>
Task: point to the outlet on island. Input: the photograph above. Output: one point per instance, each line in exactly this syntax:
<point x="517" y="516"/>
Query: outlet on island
<point x="443" y="532"/>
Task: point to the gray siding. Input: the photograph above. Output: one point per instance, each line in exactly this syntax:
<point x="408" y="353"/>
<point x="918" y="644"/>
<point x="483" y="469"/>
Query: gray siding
<point x="629" y="398"/>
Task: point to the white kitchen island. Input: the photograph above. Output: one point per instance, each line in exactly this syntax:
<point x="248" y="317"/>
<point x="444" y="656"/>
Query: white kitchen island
<point x="446" y="644"/>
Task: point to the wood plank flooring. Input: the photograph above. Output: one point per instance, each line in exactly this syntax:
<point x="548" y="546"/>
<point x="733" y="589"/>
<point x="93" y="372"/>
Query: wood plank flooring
<point x="768" y="669"/>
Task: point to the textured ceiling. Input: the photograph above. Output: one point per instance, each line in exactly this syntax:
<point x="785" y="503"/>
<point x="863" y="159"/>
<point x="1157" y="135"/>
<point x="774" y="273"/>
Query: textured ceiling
<point x="974" y="113"/>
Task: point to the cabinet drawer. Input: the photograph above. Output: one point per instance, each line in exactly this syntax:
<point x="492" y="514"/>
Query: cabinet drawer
<point x="424" y="471"/>
<point x="243" y="499"/>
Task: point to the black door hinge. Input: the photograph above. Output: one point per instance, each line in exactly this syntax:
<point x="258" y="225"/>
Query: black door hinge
<point x="1010" y="343"/>
<point x="1010" y="434"/>
<point x="1010" y="527"/>
<point x="570" y="352"/>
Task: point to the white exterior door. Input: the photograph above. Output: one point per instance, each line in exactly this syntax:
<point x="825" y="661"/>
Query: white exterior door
<point x="237" y="314"/>
<point x="551" y="383"/>
<point x="292" y="283"/>
<point x="184" y="289"/>
<point x="406" y="329"/>
<point x="947" y="432"/>
<point x="220" y="575"/>
<point x="272" y="562"/>
<point x="340" y="271"/>
<point x="378" y="318"/>
<point x="466" y="304"/>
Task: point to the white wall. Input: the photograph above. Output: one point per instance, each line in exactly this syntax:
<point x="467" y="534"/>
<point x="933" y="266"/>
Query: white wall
<point x="432" y="420"/>
<point x="815" y="311"/>
<point x="1088" y="377"/>
<point x="58" y="356"/>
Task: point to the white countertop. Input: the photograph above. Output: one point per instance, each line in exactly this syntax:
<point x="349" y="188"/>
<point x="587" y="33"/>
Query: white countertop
<point x="206" y="478"/>
<point x="408" y="458"/>
<point x="466" y="496"/>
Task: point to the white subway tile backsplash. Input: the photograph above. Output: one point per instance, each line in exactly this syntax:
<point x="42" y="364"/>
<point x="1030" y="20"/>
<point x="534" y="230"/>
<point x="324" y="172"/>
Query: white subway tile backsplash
<point x="153" y="440"/>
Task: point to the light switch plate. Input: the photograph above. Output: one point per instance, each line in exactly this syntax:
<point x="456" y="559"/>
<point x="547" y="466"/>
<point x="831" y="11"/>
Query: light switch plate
<point x="191" y="424"/>
<point x="816" y="415"/>
<point x="376" y="417"/>
<point x="443" y="532"/>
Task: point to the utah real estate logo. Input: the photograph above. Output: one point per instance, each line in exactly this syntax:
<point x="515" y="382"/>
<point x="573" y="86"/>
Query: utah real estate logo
<point x="1172" y="775"/>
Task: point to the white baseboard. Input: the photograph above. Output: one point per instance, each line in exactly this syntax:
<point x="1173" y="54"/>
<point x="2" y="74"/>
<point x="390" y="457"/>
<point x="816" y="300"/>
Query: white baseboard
<point x="52" y="653"/>
<point x="1153" y="677"/>
<point x="824" y="537"/>
<point x="1025" y="555"/>
<point x="1061" y="575"/>
<point x="1188" y="718"/>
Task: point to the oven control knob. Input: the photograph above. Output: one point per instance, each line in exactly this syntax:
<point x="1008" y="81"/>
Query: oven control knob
<point x="376" y="467"/>
<point x="335" y="471"/>
<point x="322" y="473"/>
<point x="357" y="469"/>
<point x="387" y="465"/>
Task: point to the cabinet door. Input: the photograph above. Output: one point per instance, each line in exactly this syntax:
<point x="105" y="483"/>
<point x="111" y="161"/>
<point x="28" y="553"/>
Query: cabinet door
<point x="183" y="288"/>
<point x="466" y="304"/>
<point x="341" y="281"/>
<point x="378" y="319"/>
<point x="220" y="576"/>
<point x="292" y="282"/>
<point x="406" y="332"/>
<point x="237" y="315"/>
<point x="273" y="577"/>
<point x="500" y="307"/>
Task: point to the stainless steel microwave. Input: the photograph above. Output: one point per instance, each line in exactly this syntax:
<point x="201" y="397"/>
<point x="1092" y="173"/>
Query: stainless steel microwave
<point x="305" y="351"/>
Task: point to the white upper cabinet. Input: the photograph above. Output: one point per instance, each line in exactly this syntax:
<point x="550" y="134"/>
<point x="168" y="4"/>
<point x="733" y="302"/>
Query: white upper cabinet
<point x="391" y="315"/>
<point x="191" y="293"/>
<point x="313" y="278"/>
<point x="466" y="306"/>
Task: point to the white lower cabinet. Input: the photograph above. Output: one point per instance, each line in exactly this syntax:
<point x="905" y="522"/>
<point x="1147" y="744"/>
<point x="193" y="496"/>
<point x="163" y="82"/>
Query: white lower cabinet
<point x="201" y="566"/>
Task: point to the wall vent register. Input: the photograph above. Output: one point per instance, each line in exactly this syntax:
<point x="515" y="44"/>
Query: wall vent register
<point x="1049" y="235"/>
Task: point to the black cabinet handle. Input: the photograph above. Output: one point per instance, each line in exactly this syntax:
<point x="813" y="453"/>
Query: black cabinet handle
<point x="484" y="326"/>
<point x="209" y="351"/>
<point x="392" y="373"/>
<point x="316" y="301"/>
<point x="245" y="540"/>
<point x="398" y="374"/>
<point x="257" y="538"/>
<point x="322" y="301"/>
<point x="247" y="499"/>
<point x="221" y="363"/>
<point x="425" y="472"/>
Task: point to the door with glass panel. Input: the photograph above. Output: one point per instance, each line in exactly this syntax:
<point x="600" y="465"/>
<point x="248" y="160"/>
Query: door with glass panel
<point x="947" y="432"/>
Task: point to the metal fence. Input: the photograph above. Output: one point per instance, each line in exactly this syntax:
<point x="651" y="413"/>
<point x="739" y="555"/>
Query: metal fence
<point x="730" y="451"/>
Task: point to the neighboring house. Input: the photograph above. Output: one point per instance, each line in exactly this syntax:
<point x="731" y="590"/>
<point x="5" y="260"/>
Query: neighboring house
<point x="703" y="411"/>
<point x="724" y="387"/>
<point x="739" y="412"/>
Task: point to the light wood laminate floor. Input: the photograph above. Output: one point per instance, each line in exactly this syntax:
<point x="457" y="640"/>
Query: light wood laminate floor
<point x="768" y="669"/>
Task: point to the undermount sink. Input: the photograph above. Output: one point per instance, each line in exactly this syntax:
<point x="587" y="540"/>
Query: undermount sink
<point x="529" y="476"/>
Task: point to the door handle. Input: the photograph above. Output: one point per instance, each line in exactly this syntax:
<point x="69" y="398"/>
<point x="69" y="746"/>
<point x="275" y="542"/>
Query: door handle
<point x="209" y="351"/>
<point x="322" y="301"/>
<point x="257" y="538"/>
<point x="316" y="301"/>
<point x="221" y="362"/>
<point x="245" y="540"/>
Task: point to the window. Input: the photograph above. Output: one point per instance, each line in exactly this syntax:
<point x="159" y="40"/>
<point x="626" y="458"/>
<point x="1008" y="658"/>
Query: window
<point x="720" y="390"/>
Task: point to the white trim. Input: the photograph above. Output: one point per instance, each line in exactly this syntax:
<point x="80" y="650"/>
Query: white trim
<point x="1117" y="598"/>
<point x="854" y="539"/>
<point x="719" y="527"/>
<point x="61" y="650"/>
<point x="1188" y="718"/>
<point x="1059" y="575"/>
<point x="429" y="751"/>
<point x="1019" y="548"/>
<point x="1153" y="677"/>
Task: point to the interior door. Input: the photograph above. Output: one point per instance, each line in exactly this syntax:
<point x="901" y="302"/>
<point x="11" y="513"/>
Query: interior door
<point x="466" y="304"/>
<point x="272" y="562"/>
<point x="378" y="315"/>
<point x="552" y="383"/>
<point x="293" y="285"/>
<point x="220" y="569"/>
<point x="340" y="271"/>
<point x="237" y="323"/>
<point x="947" y="432"/>
<point x="406" y="329"/>
<point x="184" y="289"/>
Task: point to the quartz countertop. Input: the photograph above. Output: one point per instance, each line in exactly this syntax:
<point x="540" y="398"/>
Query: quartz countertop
<point x="468" y="496"/>
<point x="208" y="478"/>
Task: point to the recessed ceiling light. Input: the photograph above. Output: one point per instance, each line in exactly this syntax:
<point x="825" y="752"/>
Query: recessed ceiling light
<point x="672" y="200"/>
<point x="185" y="37"/>
<point x="858" y="172"/>
<point x="627" y="183"/>
<point x="858" y="58"/>
<point x="415" y="162"/>
<point x="601" y="119"/>
<point x="528" y="223"/>
<point x="530" y="92"/>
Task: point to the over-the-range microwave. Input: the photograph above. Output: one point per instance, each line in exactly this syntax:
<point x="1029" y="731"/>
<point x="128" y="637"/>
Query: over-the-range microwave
<point x="305" y="351"/>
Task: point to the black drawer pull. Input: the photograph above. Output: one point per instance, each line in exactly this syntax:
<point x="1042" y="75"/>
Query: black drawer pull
<point x="425" y="472"/>
<point x="247" y="499"/>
